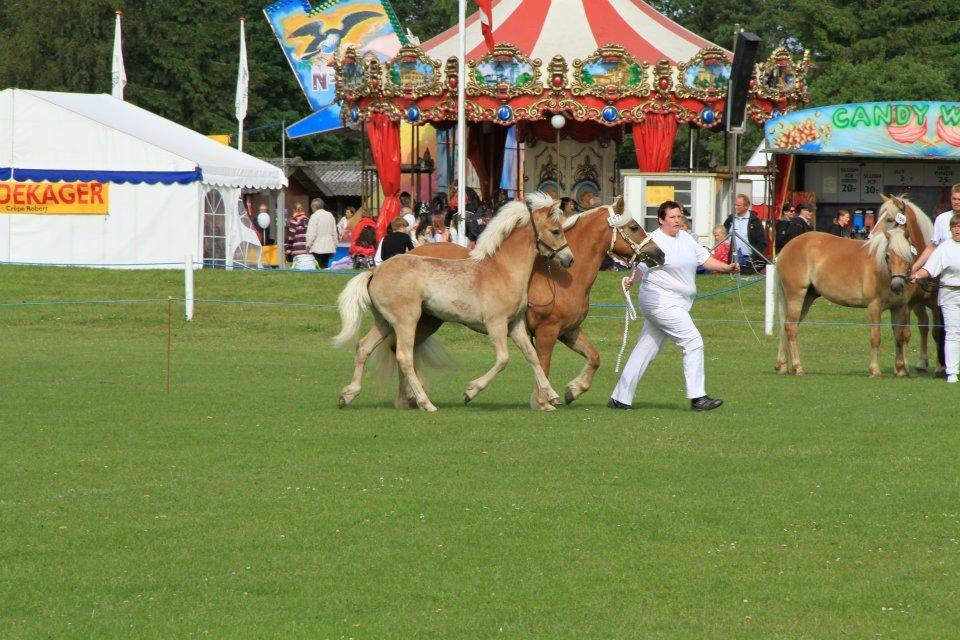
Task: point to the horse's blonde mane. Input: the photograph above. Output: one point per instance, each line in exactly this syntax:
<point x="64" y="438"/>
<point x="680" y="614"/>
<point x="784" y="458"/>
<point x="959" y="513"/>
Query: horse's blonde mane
<point x="878" y="245"/>
<point x="514" y="214"/>
<point x="623" y="220"/>
<point x="889" y="209"/>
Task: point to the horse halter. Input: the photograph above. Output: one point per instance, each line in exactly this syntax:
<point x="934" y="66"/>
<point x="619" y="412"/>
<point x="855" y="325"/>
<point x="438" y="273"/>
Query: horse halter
<point x="637" y="249"/>
<point x="551" y="252"/>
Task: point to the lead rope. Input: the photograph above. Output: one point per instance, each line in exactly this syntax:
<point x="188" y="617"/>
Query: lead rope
<point x="629" y="314"/>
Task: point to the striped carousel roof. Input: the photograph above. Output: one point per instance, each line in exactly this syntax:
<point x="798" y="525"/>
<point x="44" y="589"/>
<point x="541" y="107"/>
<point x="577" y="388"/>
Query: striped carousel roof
<point x="575" y="29"/>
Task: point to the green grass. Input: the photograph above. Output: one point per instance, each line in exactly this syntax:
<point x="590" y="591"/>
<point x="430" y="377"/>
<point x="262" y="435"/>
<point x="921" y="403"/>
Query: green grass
<point x="245" y="505"/>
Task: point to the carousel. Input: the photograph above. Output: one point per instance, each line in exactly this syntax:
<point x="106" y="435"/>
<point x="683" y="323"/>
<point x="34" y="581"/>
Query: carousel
<point x="571" y="78"/>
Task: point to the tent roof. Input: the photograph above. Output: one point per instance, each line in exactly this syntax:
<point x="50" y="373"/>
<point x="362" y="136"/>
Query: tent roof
<point x="575" y="29"/>
<point x="220" y="164"/>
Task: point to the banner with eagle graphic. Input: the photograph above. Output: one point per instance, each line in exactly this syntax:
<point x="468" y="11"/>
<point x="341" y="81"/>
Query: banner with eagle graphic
<point x="310" y="36"/>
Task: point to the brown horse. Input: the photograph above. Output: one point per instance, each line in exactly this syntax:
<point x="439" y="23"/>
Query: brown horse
<point x="487" y="293"/>
<point x="559" y="301"/>
<point x="851" y="273"/>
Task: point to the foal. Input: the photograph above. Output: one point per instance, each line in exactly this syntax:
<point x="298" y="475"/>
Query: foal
<point x="487" y="293"/>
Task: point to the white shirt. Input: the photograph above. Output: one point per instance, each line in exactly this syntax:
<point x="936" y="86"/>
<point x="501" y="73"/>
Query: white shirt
<point x="674" y="282"/>
<point x="941" y="228"/>
<point x="741" y="224"/>
<point x="945" y="262"/>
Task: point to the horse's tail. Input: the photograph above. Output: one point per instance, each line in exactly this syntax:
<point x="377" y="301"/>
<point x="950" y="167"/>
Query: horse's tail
<point x="780" y="303"/>
<point x="353" y="302"/>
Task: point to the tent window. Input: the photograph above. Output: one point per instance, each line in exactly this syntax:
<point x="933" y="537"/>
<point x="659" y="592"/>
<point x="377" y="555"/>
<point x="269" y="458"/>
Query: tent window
<point x="214" y="230"/>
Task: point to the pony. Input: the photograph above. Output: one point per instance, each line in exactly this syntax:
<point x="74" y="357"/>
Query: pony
<point x="558" y="301"/>
<point x="852" y="273"/>
<point x="487" y="293"/>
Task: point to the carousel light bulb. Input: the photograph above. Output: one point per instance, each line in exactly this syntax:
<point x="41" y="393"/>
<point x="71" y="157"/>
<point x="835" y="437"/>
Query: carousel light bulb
<point x="558" y="121"/>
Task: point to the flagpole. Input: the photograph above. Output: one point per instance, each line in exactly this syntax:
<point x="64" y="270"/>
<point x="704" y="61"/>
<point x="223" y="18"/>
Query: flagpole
<point x="243" y="79"/>
<point x="462" y="126"/>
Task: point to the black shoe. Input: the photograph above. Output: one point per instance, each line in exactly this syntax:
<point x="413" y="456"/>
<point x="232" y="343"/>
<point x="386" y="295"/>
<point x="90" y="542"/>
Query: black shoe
<point x="705" y="403"/>
<point x="941" y="373"/>
<point x="616" y="404"/>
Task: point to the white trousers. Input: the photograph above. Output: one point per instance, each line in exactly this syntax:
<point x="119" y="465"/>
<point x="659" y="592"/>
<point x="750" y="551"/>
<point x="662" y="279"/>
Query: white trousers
<point x="951" y="345"/>
<point x="672" y="322"/>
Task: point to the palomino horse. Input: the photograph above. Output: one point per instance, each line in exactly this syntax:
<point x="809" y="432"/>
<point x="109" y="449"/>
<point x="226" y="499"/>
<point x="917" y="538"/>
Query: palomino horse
<point x="851" y="273"/>
<point x="559" y="301"/>
<point x="487" y="293"/>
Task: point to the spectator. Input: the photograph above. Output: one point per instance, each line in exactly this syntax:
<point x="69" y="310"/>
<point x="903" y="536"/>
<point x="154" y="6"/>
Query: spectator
<point x="787" y="213"/>
<point x="396" y="242"/>
<point x="744" y="225"/>
<point x="477" y="223"/>
<point x="346" y="224"/>
<point x="438" y="231"/>
<point x="297" y="233"/>
<point x="406" y="210"/>
<point x="363" y="244"/>
<point x="568" y="206"/>
<point x="800" y="224"/>
<point x="322" y="237"/>
<point x="841" y="224"/>
<point x="722" y="249"/>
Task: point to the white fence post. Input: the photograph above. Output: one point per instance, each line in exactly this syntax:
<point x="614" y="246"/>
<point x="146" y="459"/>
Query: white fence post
<point x="769" y="305"/>
<point x="188" y="287"/>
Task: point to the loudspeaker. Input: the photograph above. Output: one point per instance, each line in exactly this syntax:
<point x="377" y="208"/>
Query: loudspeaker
<point x="744" y="59"/>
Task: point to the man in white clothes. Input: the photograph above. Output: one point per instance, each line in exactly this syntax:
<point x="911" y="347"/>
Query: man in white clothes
<point x="322" y="235"/>
<point x="941" y="234"/>
<point x="944" y="262"/>
<point x="665" y="299"/>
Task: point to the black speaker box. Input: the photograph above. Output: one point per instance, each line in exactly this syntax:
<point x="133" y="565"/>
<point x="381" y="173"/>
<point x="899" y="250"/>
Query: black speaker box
<point x="744" y="59"/>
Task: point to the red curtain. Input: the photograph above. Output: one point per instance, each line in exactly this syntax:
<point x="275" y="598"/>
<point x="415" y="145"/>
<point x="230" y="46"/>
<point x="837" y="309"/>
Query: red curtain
<point x="384" y="136"/>
<point x="653" y="139"/>
<point x="485" y="152"/>
<point x="781" y="184"/>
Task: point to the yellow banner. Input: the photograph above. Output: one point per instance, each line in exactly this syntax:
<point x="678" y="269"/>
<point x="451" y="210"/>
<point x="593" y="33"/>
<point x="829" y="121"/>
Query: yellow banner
<point x="55" y="198"/>
<point x="659" y="193"/>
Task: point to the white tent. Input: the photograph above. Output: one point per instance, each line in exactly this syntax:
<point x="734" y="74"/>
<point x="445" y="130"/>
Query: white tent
<point x="171" y="191"/>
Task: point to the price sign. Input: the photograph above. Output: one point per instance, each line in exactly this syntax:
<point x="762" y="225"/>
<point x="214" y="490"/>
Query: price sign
<point x="903" y="175"/>
<point x="940" y="175"/>
<point x="849" y="180"/>
<point x="871" y="183"/>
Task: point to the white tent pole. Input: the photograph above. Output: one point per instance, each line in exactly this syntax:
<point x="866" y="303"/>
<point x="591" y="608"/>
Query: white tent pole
<point x="188" y="286"/>
<point x="462" y="126"/>
<point x="768" y="299"/>
<point x="282" y="199"/>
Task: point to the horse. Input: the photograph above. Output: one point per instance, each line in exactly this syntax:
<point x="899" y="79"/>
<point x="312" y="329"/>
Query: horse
<point x="487" y="293"/>
<point x="559" y="301"/>
<point x="924" y="297"/>
<point x="871" y="275"/>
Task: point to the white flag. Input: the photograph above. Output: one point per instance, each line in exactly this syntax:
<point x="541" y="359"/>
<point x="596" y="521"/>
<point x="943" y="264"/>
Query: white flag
<point x="243" y="78"/>
<point x="118" y="75"/>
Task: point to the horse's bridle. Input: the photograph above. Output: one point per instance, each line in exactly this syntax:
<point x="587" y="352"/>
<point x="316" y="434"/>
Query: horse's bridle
<point x="637" y="249"/>
<point x="541" y="243"/>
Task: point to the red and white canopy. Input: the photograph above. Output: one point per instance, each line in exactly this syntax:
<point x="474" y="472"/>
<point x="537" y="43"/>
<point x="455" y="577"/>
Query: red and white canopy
<point x="575" y="29"/>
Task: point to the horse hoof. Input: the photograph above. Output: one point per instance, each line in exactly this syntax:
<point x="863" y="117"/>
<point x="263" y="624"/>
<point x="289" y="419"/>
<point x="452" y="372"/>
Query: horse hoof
<point x="342" y="402"/>
<point x="556" y="400"/>
<point x="902" y="373"/>
<point x="569" y="396"/>
<point x="467" y="398"/>
<point x="801" y="372"/>
<point x="429" y="408"/>
<point x="546" y="407"/>
<point x="876" y="375"/>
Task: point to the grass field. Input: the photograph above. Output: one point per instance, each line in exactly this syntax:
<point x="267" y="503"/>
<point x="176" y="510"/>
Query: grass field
<point x="245" y="505"/>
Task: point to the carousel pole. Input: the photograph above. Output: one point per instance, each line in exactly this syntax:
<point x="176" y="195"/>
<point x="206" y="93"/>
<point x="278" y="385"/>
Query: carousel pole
<point x="462" y="125"/>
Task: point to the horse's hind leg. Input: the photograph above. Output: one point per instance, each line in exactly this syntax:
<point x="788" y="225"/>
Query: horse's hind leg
<point x="406" y="331"/>
<point x="426" y="327"/>
<point x="900" y="322"/>
<point x="923" y="324"/>
<point x="380" y="331"/>
<point x="794" y="311"/>
<point x="498" y="338"/>
<point x="547" y="397"/>
<point x="578" y="341"/>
